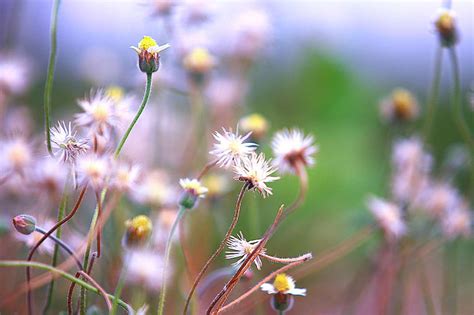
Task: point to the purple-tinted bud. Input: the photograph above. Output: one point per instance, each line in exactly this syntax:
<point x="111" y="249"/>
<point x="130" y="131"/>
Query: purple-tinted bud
<point x="24" y="223"/>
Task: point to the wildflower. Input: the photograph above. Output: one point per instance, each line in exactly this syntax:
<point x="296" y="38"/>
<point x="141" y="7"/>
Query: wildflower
<point x="15" y="155"/>
<point x="24" y="224"/>
<point x="440" y="198"/>
<point x="293" y="149"/>
<point x="256" y="171"/>
<point x="65" y="143"/>
<point x="240" y="248"/>
<point x="125" y="177"/>
<point x="149" y="54"/>
<point x="401" y="105"/>
<point x="217" y="184"/>
<point x="282" y="289"/>
<point x="145" y="267"/>
<point x="231" y="147"/>
<point x="457" y="222"/>
<point x="256" y="124"/>
<point x="389" y="216"/>
<point x="155" y="190"/>
<point x="122" y="103"/>
<point x="14" y="74"/>
<point x="138" y="231"/>
<point x="93" y="170"/>
<point x="99" y="113"/>
<point x="445" y="23"/>
<point x="49" y="175"/>
<point x="199" y="61"/>
<point x="193" y="189"/>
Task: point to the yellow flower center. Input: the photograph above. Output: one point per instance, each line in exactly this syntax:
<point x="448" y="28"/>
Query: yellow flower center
<point x="199" y="60"/>
<point x="445" y="21"/>
<point x="281" y="283"/>
<point x="100" y="113"/>
<point x="146" y="43"/>
<point x="115" y="93"/>
<point x="234" y="146"/>
<point x="255" y="123"/>
<point x="140" y="226"/>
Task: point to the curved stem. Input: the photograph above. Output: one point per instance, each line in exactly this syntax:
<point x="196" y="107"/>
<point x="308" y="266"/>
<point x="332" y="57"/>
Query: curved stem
<point x="62" y="208"/>
<point x="63" y="245"/>
<point x="120" y="284"/>
<point x="303" y="178"/>
<point x="285" y="260"/>
<point x="45" y="236"/>
<point x="433" y="100"/>
<point x="458" y="111"/>
<point x="295" y="263"/>
<point x="99" y="211"/>
<point x="22" y="263"/>
<point x="50" y="74"/>
<point x="161" y="304"/>
<point x="101" y="290"/>
<point x="146" y="96"/>
<point x="206" y="169"/>
<point x="220" y="248"/>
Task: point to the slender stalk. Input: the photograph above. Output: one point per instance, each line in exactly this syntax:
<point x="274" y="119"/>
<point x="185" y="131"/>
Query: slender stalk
<point x="62" y="208"/>
<point x="101" y="290"/>
<point x="220" y="248"/>
<point x="161" y="304"/>
<point x="285" y="260"/>
<point x="99" y="211"/>
<point x="45" y="236"/>
<point x="62" y="273"/>
<point x="302" y="259"/>
<point x="425" y="288"/>
<point x="120" y="284"/>
<point x="146" y="96"/>
<point x="433" y="100"/>
<point x="61" y="244"/>
<point x="50" y="74"/>
<point x="458" y="110"/>
<point x="206" y="169"/>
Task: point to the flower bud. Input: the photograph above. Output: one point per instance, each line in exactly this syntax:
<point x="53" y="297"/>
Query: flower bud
<point x="198" y="62"/>
<point x="24" y="223"/>
<point x="445" y="25"/>
<point x="256" y="124"/>
<point x="400" y="106"/>
<point x="138" y="231"/>
<point x="149" y="54"/>
<point x="193" y="190"/>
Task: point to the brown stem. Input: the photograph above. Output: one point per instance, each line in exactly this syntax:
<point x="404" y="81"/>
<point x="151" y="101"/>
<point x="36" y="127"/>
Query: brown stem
<point x="285" y="260"/>
<point x="184" y="248"/>
<point x="43" y="238"/>
<point x="301" y="259"/>
<point x="70" y="292"/>
<point x="303" y="178"/>
<point x="220" y="248"/>
<point x="206" y="169"/>
<point x="220" y="299"/>
<point x="101" y="290"/>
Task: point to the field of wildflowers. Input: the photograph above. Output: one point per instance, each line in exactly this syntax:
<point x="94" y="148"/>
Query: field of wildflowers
<point x="213" y="176"/>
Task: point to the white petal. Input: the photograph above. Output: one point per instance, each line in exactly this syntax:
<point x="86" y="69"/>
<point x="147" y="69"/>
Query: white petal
<point x="268" y="287"/>
<point x="296" y="291"/>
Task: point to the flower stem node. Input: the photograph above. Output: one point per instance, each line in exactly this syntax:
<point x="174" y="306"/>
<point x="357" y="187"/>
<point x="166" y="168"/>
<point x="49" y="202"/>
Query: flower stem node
<point x="24" y="224"/>
<point x="193" y="190"/>
<point x="149" y="54"/>
<point x="138" y="231"/>
<point x="445" y="24"/>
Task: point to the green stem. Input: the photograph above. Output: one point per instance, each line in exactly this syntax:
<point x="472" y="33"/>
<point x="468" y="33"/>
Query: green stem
<point x="120" y="284"/>
<point x="458" y="111"/>
<point x="146" y="96"/>
<point x="62" y="209"/>
<point x="433" y="100"/>
<point x="161" y="304"/>
<point x="50" y="74"/>
<point x="62" y="273"/>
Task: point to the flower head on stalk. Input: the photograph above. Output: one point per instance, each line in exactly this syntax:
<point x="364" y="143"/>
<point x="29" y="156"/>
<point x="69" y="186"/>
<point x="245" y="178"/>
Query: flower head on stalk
<point x="389" y="216"/>
<point x="138" y="231"/>
<point x="66" y="145"/>
<point x="399" y="106"/>
<point x="240" y="248"/>
<point x="256" y="171"/>
<point x="99" y="114"/>
<point x="149" y="54"/>
<point x="445" y="24"/>
<point x="16" y="155"/>
<point x="292" y="147"/>
<point x="199" y="62"/>
<point x="282" y="289"/>
<point x="24" y="224"/>
<point x="457" y="222"/>
<point x="125" y="177"/>
<point x="256" y="124"/>
<point x="193" y="190"/>
<point x="93" y="169"/>
<point x="231" y="147"/>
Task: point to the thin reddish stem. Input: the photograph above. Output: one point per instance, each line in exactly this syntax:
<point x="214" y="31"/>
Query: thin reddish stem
<point x="101" y="290"/>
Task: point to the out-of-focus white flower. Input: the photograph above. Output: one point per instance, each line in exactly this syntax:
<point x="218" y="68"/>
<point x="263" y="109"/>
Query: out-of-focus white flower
<point x="231" y="147"/>
<point x="14" y="74"/>
<point x="125" y="177"/>
<point x="409" y="154"/>
<point x="15" y="155"/>
<point x="145" y="268"/>
<point x="252" y="28"/>
<point x="439" y="199"/>
<point x="30" y="240"/>
<point x="283" y="284"/>
<point x="17" y="120"/>
<point x="65" y="143"/>
<point x="49" y="175"/>
<point x="122" y="103"/>
<point x="93" y="170"/>
<point x="457" y="222"/>
<point x="100" y="113"/>
<point x="401" y="105"/>
<point x="256" y="171"/>
<point x="389" y="216"/>
<point x="240" y="248"/>
<point x="291" y="147"/>
<point x="155" y="190"/>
